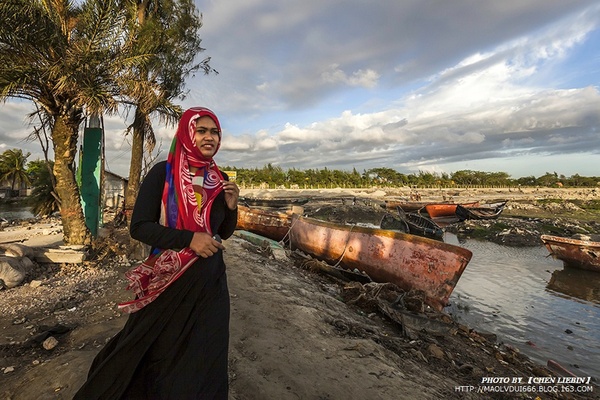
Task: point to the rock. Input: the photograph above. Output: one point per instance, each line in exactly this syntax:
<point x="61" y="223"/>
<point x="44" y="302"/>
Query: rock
<point x="26" y="264"/>
<point x="11" y="272"/>
<point x="35" y="283"/>
<point x="9" y="369"/>
<point x="50" y="343"/>
<point x="16" y="250"/>
<point x="436" y="351"/>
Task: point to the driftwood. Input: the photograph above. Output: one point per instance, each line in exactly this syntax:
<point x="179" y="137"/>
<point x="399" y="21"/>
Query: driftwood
<point x="315" y="265"/>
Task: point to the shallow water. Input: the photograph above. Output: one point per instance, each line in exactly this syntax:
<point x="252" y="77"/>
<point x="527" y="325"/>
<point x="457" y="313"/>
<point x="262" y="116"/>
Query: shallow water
<point x="11" y="212"/>
<point x="532" y="302"/>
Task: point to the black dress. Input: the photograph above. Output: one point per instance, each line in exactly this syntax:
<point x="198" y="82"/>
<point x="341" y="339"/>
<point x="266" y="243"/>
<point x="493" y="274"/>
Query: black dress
<point x="176" y="347"/>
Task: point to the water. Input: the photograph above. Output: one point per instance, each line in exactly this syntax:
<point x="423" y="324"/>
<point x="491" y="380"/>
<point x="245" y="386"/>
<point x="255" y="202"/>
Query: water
<point x="532" y="302"/>
<point x="12" y="211"/>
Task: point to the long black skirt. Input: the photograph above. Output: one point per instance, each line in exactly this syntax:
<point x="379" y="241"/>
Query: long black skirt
<point x="174" y="348"/>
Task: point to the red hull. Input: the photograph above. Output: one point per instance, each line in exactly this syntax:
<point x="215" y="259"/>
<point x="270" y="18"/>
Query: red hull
<point x="409" y="261"/>
<point x="272" y="225"/>
<point x="437" y="210"/>
<point x="405" y="205"/>
<point x="583" y="254"/>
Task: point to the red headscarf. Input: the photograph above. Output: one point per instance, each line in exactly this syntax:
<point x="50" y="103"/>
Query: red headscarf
<point x="179" y="210"/>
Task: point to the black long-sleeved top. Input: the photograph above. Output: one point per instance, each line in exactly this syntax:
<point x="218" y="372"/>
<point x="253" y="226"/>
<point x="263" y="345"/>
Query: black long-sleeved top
<point x="146" y="213"/>
<point x="175" y="347"/>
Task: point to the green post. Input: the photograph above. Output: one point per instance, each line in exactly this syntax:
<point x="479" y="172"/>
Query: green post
<point x="91" y="168"/>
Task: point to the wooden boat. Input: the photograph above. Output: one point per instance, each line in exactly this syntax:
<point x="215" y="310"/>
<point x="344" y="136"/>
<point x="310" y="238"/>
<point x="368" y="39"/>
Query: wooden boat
<point x="485" y="211"/>
<point x="406" y="205"/>
<point x="272" y="202"/>
<point x="437" y="210"/>
<point x="584" y="254"/>
<point x="392" y="223"/>
<point x="409" y="261"/>
<point x="270" y="224"/>
<point x="413" y="223"/>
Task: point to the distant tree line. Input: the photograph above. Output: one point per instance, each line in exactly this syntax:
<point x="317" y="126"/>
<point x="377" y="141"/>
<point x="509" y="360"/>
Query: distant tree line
<point x="271" y="176"/>
<point x="16" y="171"/>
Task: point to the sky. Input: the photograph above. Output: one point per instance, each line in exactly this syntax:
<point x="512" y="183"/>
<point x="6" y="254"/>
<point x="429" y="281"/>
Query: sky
<point x="413" y="85"/>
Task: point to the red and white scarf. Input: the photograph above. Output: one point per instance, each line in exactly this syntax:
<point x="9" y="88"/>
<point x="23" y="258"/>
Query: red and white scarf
<point x="179" y="210"/>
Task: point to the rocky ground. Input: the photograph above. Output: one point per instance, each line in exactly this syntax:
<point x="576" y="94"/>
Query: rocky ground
<point x="295" y="333"/>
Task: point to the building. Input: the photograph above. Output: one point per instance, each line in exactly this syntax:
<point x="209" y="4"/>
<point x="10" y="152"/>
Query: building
<point x="6" y="191"/>
<point x="114" y="190"/>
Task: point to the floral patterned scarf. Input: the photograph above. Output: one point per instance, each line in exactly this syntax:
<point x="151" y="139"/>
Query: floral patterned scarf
<point x="186" y="204"/>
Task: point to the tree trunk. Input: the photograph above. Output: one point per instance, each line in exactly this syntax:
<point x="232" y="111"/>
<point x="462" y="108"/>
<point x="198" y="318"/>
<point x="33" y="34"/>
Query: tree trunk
<point x="137" y="249"/>
<point x="135" y="166"/>
<point x="64" y="138"/>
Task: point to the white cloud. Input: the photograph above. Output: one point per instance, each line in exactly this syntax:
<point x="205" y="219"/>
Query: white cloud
<point x="335" y="84"/>
<point x="367" y="78"/>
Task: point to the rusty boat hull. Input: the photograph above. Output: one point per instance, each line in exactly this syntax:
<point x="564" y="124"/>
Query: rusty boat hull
<point x="583" y="254"/>
<point x="409" y="261"/>
<point x="484" y="211"/>
<point x="438" y="210"/>
<point x="413" y="223"/>
<point x="270" y="224"/>
<point x="253" y="202"/>
<point x="406" y="205"/>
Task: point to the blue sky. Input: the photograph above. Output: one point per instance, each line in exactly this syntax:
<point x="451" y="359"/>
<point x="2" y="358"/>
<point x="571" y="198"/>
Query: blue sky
<point x="413" y="85"/>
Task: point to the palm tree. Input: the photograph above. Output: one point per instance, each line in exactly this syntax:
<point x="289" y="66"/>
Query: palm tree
<point x="12" y="165"/>
<point x="44" y="201"/>
<point x="172" y="26"/>
<point x="66" y="57"/>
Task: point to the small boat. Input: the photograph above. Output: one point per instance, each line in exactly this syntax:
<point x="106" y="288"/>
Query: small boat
<point x="270" y="224"/>
<point x="409" y="261"/>
<point x="437" y="210"/>
<point x="578" y="253"/>
<point x="484" y="211"/>
<point x="413" y="223"/>
<point x="390" y="222"/>
<point x="406" y="205"/>
<point x="272" y="202"/>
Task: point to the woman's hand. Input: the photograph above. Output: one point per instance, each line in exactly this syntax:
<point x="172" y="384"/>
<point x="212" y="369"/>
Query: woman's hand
<point x="232" y="193"/>
<point x="204" y="245"/>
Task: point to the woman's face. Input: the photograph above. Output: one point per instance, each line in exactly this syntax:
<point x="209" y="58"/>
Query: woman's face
<point x="206" y="136"/>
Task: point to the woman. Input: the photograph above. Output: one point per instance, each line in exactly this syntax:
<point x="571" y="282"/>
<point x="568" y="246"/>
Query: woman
<point x="175" y="343"/>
